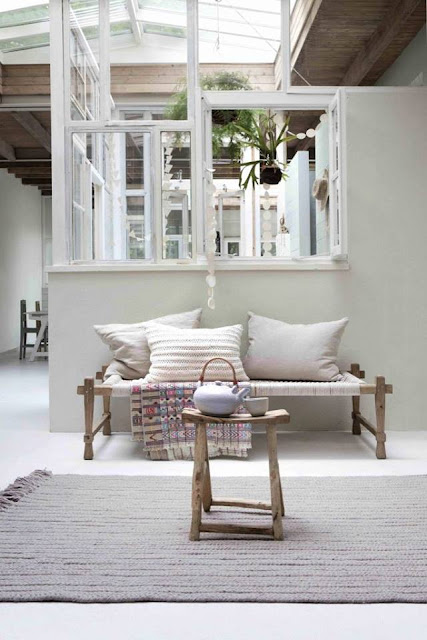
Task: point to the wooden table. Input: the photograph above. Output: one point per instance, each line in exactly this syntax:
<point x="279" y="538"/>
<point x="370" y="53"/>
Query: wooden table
<point x="42" y="317"/>
<point x="202" y="489"/>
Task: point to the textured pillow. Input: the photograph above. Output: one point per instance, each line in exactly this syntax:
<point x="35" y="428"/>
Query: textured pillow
<point x="179" y="354"/>
<point x="281" y="351"/>
<point x="129" y="343"/>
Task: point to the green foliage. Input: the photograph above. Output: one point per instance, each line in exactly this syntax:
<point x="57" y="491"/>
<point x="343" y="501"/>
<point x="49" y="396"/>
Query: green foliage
<point x="225" y="81"/>
<point x="226" y="129"/>
<point x="263" y="134"/>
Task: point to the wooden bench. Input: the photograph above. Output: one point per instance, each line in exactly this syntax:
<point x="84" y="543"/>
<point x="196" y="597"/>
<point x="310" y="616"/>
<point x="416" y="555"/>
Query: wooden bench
<point x="91" y="389"/>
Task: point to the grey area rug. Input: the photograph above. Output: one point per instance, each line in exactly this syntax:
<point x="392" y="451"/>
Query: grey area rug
<point x="125" y="539"/>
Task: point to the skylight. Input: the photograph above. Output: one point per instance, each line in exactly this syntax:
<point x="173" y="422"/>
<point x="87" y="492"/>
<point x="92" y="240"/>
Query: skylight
<point x="234" y="24"/>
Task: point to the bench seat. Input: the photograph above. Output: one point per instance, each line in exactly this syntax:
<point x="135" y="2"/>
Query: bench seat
<point x="352" y="384"/>
<point x="349" y="385"/>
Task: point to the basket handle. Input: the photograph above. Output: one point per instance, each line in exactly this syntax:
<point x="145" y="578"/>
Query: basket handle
<point x="202" y="375"/>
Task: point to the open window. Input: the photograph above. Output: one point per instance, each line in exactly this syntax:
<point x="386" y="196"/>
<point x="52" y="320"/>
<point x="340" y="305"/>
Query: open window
<point x="294" y="215"/>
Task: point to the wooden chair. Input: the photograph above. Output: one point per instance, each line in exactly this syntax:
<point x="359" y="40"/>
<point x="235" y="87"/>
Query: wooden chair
<point x="25" y="329"/>
<point x="44" y="342"/>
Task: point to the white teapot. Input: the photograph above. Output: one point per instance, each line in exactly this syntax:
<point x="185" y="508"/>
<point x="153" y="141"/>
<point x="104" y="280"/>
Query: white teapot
<point x="219" y="399"/>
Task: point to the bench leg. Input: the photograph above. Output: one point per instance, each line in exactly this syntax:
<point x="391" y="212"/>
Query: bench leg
<point x="355" y="371"/>
<point x="380" y="414"/>
<point x="106" y="400"/>
<point x="275" y="485"/>
<point x="197" y="488"/>
<point x="89" y="401"/>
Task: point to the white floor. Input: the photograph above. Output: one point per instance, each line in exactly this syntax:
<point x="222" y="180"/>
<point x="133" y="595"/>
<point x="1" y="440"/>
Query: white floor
<point x="26" y="444"/>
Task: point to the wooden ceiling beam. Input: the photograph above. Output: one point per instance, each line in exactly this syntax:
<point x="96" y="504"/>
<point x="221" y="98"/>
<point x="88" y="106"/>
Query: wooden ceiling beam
<point x="380" y="40"/>
<point x="37" y="181"/>
<point x="33" y="154"/>
<point x="30" y="171"/>
<point x="302" y="18"/>
<point x="11" y="164"/>
<point x="7" y="151"/>
<point x="34" y="128"/>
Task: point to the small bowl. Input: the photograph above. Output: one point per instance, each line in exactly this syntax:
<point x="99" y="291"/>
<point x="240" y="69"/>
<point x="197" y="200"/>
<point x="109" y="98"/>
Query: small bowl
<point x="256" y="406"/>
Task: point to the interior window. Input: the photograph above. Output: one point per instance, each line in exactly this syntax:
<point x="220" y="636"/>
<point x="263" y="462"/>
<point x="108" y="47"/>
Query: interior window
<point x="267" y="199"/>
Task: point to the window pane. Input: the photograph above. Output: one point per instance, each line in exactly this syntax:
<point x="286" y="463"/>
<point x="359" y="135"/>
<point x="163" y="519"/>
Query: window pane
<point x="281" y="219"/>
<point x="136" y="239"/>
<point x="144" y="113"/>
<point x="176" y="195"/>
<point x="84" y="70"/>
<point x="135" y="160"/>
<point x="239" y="45"/>
<point x="229" y="216"/>
<point x="112" y="196"/>
<point x="149" y="56"/>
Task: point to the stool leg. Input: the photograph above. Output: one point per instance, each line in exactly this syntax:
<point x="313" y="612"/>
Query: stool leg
<point x="196" y="495"/>
<point x="276" y="503"/>
<point x="207" y="487"/>
<point x="282" y="504"/>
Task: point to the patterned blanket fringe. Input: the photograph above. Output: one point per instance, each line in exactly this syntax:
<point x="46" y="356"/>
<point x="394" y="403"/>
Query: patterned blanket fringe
<point x="22" y="487"/>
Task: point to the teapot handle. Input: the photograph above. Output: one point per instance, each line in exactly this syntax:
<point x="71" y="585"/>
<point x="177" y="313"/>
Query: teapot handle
<point x="202" y="375"/>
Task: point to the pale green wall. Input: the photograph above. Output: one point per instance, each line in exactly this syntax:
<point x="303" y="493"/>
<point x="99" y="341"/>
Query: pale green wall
<point x="383" y="293"/>
<point x="409" y="65"/>
<point x="20" y="254"/>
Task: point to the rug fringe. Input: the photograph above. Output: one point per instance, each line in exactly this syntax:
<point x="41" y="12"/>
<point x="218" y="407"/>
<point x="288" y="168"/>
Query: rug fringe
<point x="22" y="487"/>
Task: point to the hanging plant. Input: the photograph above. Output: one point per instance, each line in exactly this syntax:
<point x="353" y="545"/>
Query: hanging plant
<point x="264" y="134"/>
<point x="226" y="123"/>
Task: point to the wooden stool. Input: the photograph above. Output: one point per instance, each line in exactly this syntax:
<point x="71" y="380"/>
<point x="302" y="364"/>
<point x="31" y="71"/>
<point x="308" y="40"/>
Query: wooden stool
<point x="202" y="490"/>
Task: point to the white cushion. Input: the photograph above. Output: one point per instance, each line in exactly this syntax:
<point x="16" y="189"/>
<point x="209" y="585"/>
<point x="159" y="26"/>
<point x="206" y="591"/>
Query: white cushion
<point x="179" y="354"/>
<point x="129" y="344"/>
<point x="281" y="351"/>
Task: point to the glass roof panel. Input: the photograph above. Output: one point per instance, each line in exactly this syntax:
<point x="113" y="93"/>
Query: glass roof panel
<point x="172" y="5"/>
<point x="232" y="40"/>
<point x="234" y="23"/>
<point x="25" y="42"/>
<point x="165" y="30"/>
<point x="24" y="15"/>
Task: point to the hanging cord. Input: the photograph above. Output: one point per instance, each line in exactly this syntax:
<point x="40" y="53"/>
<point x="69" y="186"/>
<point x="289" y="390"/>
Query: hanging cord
<point x="217" y="42"/>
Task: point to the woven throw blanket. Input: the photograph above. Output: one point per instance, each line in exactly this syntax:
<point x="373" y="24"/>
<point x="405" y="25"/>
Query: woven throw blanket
<point x="156" y="420"/>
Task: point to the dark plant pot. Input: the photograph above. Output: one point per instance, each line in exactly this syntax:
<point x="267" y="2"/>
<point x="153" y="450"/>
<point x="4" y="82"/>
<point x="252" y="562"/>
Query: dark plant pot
<point x="270" y="175"/>
<point x="224" y="116"/>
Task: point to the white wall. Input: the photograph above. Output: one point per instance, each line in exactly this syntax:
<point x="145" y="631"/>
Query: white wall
<point x="411" y="66"/>
<point x="20" y="254"/>
<point x="297" y="204"/>
<point x="383" y="293"/>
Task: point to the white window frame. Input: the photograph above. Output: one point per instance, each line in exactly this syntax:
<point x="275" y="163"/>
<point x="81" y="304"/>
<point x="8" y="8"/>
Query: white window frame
<point x="200" y="104"/>
<point x="337" y="186"/>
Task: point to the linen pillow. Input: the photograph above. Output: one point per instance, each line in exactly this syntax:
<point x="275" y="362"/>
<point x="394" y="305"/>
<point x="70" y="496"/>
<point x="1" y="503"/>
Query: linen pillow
<point x="129" y="343"/>
<point x="281" y="351"/>
<point x="178" y="355"/>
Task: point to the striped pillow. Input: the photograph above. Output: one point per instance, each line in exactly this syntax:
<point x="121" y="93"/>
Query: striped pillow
<point x="178" y="355"/>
